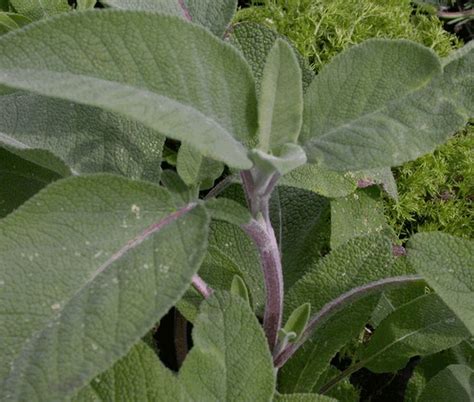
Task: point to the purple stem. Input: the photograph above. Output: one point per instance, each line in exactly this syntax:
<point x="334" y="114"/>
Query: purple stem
<point x="337" y="304"/>
<point x="185" y="10"/>
<point x="202" y="287"/>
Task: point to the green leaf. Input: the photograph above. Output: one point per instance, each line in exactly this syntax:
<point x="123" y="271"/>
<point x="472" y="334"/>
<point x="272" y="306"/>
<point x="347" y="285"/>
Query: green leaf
<point x="228" y="210"/>
<point x="101" y="259"/>
<point x="139" y="376"/>
<point x="255" y="42"/>
<point x="12" y="21"/>
<point x="288" y="158"/>
<point x="85" y="4"/>
<point x="356" y="215"/>
<point x="202" y="101"/>
<point x="230" y="359"/>
<point x="446" y="263"/>
<point x="421" y="327"/>
<point x="178" y="188"/>
<point x="86" y="139"/>
<point x="359" y="261"/>
<point x="4" y="5"/>
<point x="302" y="398"/>
<point x="454" y="383"/>
<point x="214" y="15"/>
<point x="343" y="391"/>
<point x="195" y="169"/>
<point x="239" y="288"/>
<point x="298" y="319"/>
<point x="172" y="7"/>
<point x="280" y="104"/>
<point x="301" y="219"/>
<point x="36" y="10"/>
<point x="378" y="104"/>
<point x="20" y="180"/>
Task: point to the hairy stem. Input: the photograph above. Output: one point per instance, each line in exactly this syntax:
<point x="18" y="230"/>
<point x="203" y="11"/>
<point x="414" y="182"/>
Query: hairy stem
<point x="220" y="187"/>
<point x="339" y="303"/>
<point x="261" y="231"/>
<point x="201" y="286"/>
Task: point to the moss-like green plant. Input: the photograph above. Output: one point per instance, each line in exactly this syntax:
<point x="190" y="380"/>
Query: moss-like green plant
<point x="436" y="190"/>
<point x="320" y="29"/>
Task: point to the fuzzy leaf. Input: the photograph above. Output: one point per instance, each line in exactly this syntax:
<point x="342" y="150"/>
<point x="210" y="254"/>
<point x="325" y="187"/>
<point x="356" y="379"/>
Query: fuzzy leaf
<point x="228" y="210"/>
<point x="255" y="42"/>
<point x="454" y="383"/>
<point x="359" y="261"/>
<point x="447" y="265"/>
<point x="20" y="180"/>
<point x="214" y="15"/>
<point x="356" y="215"/>
<point x="290" y="157"/>
<point x="298" y="319"/>
<point x="86" y="139"/>
<point x="280" y="104"/>
<point x="36" y="10"/>
<point x="211" y="106"/>
<point x="239" y="288"/>
<point x="139" y="376"/>
<point x="421" y="327"/>
<point x="171" y="7"/>
<point x="231" y="349"/>
<point x="195" y="169"/>
<point x="101" y="259"/>
<point x="377" y="104"/>
<point x="12" y="21"/>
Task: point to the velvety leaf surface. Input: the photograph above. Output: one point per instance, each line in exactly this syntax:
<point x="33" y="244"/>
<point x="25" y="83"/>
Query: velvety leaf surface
<point x="214" y="15"/>
<point x="230" y="360"/>
<point x="375" y="105"/>
<point x="35" y="10"/>
<point x="20" y="180"/>
<point x="87" y="139"/>
<point x="228" y="210"/>
<point x="356" y="215"/>
<point x="139" y="376"/>
<point x="255" y="42"/>
<point x="301" y="218"/>
<point x="280" y="119"/>
<point x="359" y="261"/>
<point x="447" y="264"/>
<point x="172" y="7"/>
<point x="454" y="383"/>
<point x="12" y="21"/>
<point x="195" y="169"/>
<point x="88" y="266"/>
<point x="202" y="94"/>
<point x="422" y="327"/>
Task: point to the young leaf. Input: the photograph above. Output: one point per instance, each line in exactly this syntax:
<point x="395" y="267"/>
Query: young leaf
<point x="298" y="319"/>
<point x="280" y="103"/>
<point x="422" y="327"/>
<point x="239" y="288"/>
<point x="12" y="21"/>
<point x="454" y="383"/>
<point x="101" y="259"/>
<point x="195" y="169"/>
<point x="139" y="376"/>
<point x="202" y="101"/>
<point x="446" y="263"/>
<point x="394" y="108"/>
<point x="255" y="42"/>
<point x="20" y="180"/>
<point x="288" y="158"/>
<point x="360" y="260"/>
<point x="36" y="10"/>
<point x="230" y="359"/>
<point x="86" y="139"/>
<point x="356" y="215"/>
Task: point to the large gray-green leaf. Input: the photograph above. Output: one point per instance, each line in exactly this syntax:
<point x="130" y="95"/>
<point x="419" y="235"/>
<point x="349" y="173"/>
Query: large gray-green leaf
<point x="447" y="264"/>
<point x="11" y="21"/>
<point x="172" y="7"/>
<point x="255" y="42"/>
<point x="280" y="103"/>
<point x="356" y="215"/>
<point x="20" y="180"/>
<point x="454" y="383"/>
<point x="38" y="9"/>
<point x="139" y="376"/>
<point x="88" y="266"/>
<point x="421" y="327"/>
<point x="230" y="360"/>
<point x="188" y="85"/>
<point x="87" y="139"/>
<point x="360" y="260"/>
<point x="301" y="218"/>
<point x="378" y="104"/>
